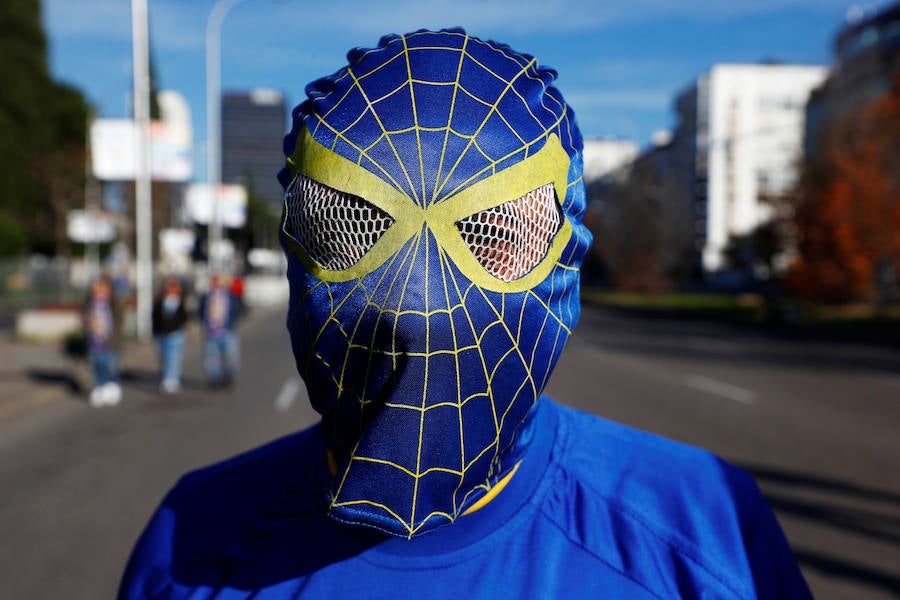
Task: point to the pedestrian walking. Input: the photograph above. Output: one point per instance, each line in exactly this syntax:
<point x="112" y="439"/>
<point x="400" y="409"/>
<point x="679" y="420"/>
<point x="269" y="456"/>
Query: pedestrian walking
<point x="169" y="319"/>
<point x="219" y="311"/>
<point x="102" y="327"/>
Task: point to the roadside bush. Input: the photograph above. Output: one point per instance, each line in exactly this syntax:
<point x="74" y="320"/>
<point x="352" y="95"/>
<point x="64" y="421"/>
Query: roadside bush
<point x="12" y="236"/>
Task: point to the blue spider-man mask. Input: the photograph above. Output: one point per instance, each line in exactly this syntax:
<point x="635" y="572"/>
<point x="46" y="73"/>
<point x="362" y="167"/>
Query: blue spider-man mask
<point x="432" y="224"/>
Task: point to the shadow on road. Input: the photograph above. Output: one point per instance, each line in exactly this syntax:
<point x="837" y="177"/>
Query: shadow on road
<point x="845" y="569"/>
<point x="717" y="342"/>
<point x="142" y="380"/>
<point x="830" y="503"/>
<point x="55" y="377"/>
<point x="767" y="474"/>
<point x="147" y="380"/>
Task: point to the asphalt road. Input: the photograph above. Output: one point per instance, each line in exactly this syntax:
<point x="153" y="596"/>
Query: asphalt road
<point x="816" y="422"/>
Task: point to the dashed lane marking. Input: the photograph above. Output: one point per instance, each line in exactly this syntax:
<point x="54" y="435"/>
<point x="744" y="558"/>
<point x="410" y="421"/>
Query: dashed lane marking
<point x="287" y="395"/>
<point x="719" y="388"/>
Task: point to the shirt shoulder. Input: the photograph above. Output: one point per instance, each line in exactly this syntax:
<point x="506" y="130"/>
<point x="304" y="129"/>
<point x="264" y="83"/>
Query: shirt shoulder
<point x="685" y="522"/>
<point x="211" y="512"/>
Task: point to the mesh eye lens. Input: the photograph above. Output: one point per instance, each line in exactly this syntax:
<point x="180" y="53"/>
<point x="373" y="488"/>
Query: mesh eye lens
<point x="335" y="228"/>
<point x="511" y="239"/>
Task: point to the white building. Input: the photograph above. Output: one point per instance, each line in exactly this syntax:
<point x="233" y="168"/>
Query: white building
<point x="603" y="156"/>
<point x="744" y="126"/>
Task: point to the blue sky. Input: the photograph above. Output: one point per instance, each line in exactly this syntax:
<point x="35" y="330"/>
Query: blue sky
<point x="620" y="62"/>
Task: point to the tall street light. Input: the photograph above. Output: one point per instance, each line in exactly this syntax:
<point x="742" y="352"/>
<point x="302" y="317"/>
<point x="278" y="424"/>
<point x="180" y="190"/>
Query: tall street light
<point x="214" y="121"/>
<point x="143" y="212"/>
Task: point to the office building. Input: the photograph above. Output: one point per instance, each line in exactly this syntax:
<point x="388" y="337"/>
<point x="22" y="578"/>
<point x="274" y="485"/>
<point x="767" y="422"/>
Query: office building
<point x="741" y="133"/>
<point x="866" y="65"/>
<point x="253" y="127"/>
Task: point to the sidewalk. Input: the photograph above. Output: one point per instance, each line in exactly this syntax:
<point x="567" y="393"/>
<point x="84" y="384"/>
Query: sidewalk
<point x="33" y="374"/>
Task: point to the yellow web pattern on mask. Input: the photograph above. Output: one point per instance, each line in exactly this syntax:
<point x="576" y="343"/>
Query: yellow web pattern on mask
<point x="397" y="276"/>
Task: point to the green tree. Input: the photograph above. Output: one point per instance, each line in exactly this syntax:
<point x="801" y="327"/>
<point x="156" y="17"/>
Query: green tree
<point x="62" y="160"/>
<point x="23" y="51"/>
<point x="263" y="219"/>
<point x="12" y="238"/>
<point x="42" y="133"/>
<point x="263" y="222"/>
<point x="155" y="112"/>
<point x="642" y="227"/>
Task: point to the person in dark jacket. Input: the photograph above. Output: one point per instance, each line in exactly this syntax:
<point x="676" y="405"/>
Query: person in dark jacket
<point x="169" y="319"/>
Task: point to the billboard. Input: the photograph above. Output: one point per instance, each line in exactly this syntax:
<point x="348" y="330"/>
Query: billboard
<point x="90" y="227"/>
<point x="113" y="150"/>
<point x="176" y="242"/>
<point x="233" y="204"/>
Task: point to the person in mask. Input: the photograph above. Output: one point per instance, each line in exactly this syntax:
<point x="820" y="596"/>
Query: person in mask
<point x="169" y="318"/>
<point x="432" y="224"/>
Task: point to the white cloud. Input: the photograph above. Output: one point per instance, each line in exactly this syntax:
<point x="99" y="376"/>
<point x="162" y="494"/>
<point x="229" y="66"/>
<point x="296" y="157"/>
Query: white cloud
<point x="174" y="25"/>
<point x="97" y="19"/>
<point x="401" y="16"/>
<point x="605" y="68"/>
<point x="177" y="24"/>
<point x="505" y="16"/>
<point x="582" y="100"/>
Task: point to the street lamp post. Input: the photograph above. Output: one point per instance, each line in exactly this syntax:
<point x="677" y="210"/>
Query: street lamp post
<point x="143" y="212"/>
<point x="214" y="120"/>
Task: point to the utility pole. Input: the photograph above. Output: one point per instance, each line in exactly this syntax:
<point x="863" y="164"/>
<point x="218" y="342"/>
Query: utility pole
<point x="91" y="206"/>
<point x="143" y="199"/>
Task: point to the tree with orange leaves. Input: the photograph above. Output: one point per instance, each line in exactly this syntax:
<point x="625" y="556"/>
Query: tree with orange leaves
<point x="847" y="215"/>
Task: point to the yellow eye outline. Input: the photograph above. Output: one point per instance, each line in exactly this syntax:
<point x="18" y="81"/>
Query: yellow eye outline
<point x="549" y="165"/>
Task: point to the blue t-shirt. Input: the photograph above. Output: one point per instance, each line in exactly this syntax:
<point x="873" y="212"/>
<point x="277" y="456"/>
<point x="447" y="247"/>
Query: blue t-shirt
<point x="595" y="509"/>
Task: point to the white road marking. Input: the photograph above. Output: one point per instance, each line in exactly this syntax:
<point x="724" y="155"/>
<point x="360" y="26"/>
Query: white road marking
<point x="287" y="395"/>
<point x="719" y="388"/>
<point x="709" y="345"/>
